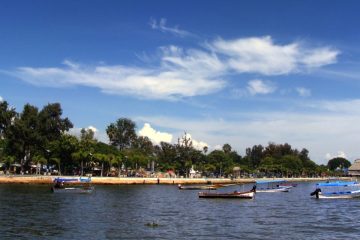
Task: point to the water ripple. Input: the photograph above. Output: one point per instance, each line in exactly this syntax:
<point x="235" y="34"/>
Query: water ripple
<point x="124" y="212"/>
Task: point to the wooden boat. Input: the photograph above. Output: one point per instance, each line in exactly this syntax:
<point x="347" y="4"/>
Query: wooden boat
<point x="271" y="186"/>
<point x="336" y="190"/>
<point x="72" y="185"/>
<point x="244" y="195"/>
<point x="236" y="194"/>
<point x="198" y="187"/>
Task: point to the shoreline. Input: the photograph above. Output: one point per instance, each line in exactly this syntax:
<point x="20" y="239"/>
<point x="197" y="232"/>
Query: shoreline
<point x="15" y="179"/>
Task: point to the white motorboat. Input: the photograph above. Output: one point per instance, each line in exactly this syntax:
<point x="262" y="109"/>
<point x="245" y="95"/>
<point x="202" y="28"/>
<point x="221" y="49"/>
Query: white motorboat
<point x="337" y="190"/>
<point x="271" y="186"/>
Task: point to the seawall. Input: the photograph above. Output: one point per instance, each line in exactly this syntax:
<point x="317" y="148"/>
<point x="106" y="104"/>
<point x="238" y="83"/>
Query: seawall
<point x="128" y="181"/>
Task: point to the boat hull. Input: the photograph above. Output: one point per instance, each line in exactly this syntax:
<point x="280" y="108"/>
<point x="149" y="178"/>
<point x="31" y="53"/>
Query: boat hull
<point x="73" y="190"/>
<point x="243" y="195"/>
<point x="340" y="195"/>
<point x="271" y="190"/>
<point x="205" y="187"/>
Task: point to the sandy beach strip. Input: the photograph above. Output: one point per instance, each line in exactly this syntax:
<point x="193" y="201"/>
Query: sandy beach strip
<point x="130" y="180"/>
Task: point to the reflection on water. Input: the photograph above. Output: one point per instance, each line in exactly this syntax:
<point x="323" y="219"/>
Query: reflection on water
<point x="124" y="212"/>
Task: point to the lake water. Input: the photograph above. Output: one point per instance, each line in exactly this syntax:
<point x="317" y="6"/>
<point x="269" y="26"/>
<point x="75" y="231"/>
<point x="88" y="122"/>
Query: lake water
<point x="123" y="212"/>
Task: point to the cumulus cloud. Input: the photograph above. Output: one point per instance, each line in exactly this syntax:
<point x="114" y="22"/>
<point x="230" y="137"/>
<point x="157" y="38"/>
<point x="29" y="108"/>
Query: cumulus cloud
<point x="98" y="134"/>
<point x="341" y="154"/>
<point x="260" y="87"/>
<point x="199" y="145"/>
<point x="262" y="55"/>
<point x="303" y="92"/>
<point x="155" y="136"/>
<point x="319" y="131"/>
<point x="161" y="25"/>
<point x="92" y="128"/>
<point x="1" y="99"/>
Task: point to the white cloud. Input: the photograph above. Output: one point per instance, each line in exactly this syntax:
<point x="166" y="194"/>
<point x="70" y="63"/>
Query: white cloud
<point x="92" y="128"/>
<point x="254" y="87"/>
<point x="98" y="134"/>
<point x="155" y="136"/>
<point x="218" y="147"/>
<point x="262" y="55"/>
<point x="319" y="131"/>
<point x="341" y="154"/>
<point x="182" y="73"/>
<point x="347" y="107"/>
<point x="303" y="92"/>
<point x="260" y="87"/>
<point x="199" y="145"/>
<point x="161" y="25"/>
<point x="168" y="82"/>
<point x="193" y="61"/>
<point x="319" y="57"/>
<point x="1" y="99"/>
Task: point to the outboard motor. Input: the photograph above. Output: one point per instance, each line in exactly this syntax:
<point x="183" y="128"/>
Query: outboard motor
<point x="316" y="193"/>
<point x="253" y="189"/>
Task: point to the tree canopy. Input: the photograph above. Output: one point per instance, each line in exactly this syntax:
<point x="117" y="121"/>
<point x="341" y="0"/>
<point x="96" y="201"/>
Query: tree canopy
<point x="338" y="162"/>
<point x="41" y="136"/>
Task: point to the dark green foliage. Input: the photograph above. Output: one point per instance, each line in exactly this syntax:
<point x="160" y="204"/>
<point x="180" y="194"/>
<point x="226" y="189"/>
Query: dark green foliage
<point x="221" y="162"/>
<point x="51" y="125"/>
<point x="31" y="131"/>
<point x="254" y="155"/>
<point x="122" y="133"/>
<point x="40" y="136"/>
<point x="338" y="162"/>
<point x="6" y="115"/>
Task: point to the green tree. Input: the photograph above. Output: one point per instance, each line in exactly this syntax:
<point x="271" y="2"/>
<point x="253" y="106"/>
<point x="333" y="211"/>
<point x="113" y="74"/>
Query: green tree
<point x="186" y="155"/>
<point x="87" y="135"/>
<point x="122" y="133"/>
<point x="226" y="148"/>
<point x="166" y="155"/>
<point x="7" y="114"/>
<point x="100" y="160"/>
<point x="116" y="159"/>
<point x="222" y="162"/>
<point x="63" y="149"/>
<point x="23" y="139"/>
<point x="205" y="149"/>
<point x="254" y="155"/>
<point x="291" y="165"/>
<point x="338" y="162"/>
<point x="50" y="124"/>
<point x="31" y="131"/>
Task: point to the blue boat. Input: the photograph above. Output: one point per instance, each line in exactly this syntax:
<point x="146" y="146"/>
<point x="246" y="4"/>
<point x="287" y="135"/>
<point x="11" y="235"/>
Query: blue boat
<point x="337" y="190"/>
<point x="72" y="185"/>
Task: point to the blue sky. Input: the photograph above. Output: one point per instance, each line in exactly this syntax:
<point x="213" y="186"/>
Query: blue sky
<point x="237" y="72"/>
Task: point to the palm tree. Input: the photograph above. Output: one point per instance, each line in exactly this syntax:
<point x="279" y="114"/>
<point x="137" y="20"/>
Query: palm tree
<point x="57" y="161"/>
